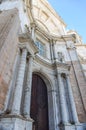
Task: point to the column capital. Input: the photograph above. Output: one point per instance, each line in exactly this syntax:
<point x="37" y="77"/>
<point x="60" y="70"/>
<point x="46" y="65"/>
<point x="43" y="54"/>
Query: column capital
<point x="60" y="73"/>
<point x="22" y="47"/>
<point x="33" y="24"/>
<point x="29" y="56"/>
<point x="53" y="41"/>
<point x="63" y="72"/>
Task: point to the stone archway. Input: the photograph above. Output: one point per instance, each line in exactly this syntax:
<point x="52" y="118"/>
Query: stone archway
<point x="39" y="104"/>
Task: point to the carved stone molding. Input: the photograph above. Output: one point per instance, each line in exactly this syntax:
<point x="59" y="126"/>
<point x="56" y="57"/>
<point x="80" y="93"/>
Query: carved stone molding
<point x="25" y="40"/>
<point x="61" y="67"/>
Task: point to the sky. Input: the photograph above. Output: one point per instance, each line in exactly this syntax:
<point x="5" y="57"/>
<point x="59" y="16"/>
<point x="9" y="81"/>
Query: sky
<point x="73" y="13"/>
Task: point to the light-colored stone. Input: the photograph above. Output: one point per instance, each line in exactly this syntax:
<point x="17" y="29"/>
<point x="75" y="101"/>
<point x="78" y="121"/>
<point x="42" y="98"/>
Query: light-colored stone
<point x="39" y="22"/>
<point x="73" y="108"/>
<point x="27" y="100"/>
<point x="19" y="84"/>
<point x="64" y="114"/>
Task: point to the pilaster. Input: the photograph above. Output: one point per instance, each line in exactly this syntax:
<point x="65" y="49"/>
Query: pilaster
<point x="19" y="83"/>
<point x="28" y="88"/>
<point x="64" y="113"/>
<point x="73" y="108"/>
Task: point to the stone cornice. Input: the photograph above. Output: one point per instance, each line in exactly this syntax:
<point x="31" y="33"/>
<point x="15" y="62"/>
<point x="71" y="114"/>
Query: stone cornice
<point x="83" y="62"/>
<point x="15" y="117"/>
<point x="43" y="62"/>
<point x="80" y="45"/>
<point x="63" y="38"/>
<point x="25" y="40"/>
<point x="61" y="67"/>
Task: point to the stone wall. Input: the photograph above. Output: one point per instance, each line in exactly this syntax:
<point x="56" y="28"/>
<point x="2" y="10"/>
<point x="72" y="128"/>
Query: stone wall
<point x="76" y="90"/>
<point x="9" y="27"/>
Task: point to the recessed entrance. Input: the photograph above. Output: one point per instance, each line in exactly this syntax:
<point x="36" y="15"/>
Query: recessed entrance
<point x="39" y="104"/>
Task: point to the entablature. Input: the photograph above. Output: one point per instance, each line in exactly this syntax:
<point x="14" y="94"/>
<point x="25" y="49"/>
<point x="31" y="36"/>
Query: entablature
<point x="48" y="36"/>
<point x="56" y="65"/>
<point x="25" y="40"/>
<point x="63" y="67"/>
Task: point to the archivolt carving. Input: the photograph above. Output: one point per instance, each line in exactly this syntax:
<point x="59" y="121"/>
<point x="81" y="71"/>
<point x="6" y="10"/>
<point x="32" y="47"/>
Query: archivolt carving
<point x="42" y="25"/>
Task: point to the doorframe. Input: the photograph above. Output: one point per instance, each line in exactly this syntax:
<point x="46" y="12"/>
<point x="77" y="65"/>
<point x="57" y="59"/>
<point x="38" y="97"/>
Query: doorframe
<point x="49" y="86"/>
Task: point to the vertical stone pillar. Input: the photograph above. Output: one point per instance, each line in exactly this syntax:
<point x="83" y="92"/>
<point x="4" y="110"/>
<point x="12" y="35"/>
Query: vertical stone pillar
<point x="19" y="84"/>
<point x="51" y="110"/>
<point x="72" y="103"/>
<point x="27" y="99"/>
<point x="64" y="113"/>
<point x="51" y="50"/>
<point x="55" y="108"/>
<point x="9" y="98"/>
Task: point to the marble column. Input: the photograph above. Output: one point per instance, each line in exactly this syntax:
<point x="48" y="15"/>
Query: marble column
<point x="64" y="113"/>
<point x="27" y="99"/>
<point x="72" y="103"/>
<point x="19" y="83"/>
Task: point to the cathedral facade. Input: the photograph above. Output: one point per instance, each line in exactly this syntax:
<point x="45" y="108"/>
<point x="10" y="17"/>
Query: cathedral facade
<point x="42" y="69"/>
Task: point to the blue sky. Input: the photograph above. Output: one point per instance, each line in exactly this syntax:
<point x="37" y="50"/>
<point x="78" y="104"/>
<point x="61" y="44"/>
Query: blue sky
<point x="73" y="12"/>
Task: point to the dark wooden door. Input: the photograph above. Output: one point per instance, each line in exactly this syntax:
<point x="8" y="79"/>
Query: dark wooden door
<point x="39" y="104"/>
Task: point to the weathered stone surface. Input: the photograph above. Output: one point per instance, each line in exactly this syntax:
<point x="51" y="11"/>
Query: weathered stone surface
<point x="15" y="124"/>
<point x="81" y="81"/>
<point x="49" y="27"/>
<point x="9" y="27"/>
<point x="77" y="96"/>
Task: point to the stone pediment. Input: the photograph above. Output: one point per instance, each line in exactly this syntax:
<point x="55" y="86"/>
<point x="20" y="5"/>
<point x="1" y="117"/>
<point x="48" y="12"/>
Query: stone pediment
<point x="47" y="18"/>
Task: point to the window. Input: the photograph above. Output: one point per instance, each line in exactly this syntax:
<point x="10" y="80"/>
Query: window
<point x="41" y="48"/>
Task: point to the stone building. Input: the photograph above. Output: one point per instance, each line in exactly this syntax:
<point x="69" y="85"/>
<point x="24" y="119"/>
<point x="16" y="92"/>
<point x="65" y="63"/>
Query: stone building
<point x="42" y="69"/>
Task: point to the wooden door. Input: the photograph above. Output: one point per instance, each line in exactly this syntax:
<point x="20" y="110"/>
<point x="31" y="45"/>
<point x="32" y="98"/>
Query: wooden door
<point x="39" y="104"/>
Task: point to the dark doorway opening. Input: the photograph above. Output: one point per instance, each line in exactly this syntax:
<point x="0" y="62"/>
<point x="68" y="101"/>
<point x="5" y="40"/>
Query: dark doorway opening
<point x="39" y="104"/>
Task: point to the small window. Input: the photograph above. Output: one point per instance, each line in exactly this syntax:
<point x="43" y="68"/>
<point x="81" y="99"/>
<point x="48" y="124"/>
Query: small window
<point x="41" y="48"/>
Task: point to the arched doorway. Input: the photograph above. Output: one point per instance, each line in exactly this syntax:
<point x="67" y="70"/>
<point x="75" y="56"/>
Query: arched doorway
<point x="39" y="104"/>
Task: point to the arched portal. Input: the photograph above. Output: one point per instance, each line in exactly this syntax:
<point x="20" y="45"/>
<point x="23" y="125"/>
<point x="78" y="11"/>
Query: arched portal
<point x="39" y="104"/>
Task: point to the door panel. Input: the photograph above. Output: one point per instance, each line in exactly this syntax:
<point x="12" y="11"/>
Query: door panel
<point x="39" y="104"/>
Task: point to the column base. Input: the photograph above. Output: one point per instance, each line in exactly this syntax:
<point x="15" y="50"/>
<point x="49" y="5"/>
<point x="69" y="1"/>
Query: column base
<point x="78" y="126"/>
<point x="18" y="122"/>
<point x="15" y="122"/>
<point x="28" y="118"/>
